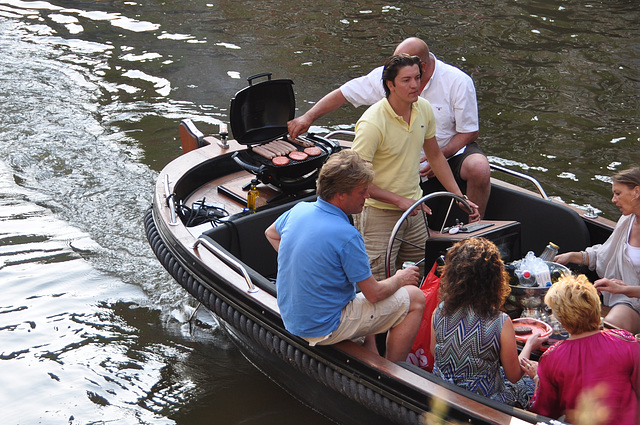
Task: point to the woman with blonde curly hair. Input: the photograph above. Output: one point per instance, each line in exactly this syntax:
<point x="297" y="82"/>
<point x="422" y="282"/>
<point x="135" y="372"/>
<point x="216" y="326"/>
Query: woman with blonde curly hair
<point x="473" y="342"/>
<point x="591" y="361"/>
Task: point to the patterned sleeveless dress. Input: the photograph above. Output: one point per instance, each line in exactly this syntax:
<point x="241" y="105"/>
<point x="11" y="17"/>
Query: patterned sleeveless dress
<point x="467" y="353"/>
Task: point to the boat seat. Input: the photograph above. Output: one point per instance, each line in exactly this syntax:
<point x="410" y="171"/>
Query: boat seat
<point x="190" y="137"/>
<point x="255" y="250"/>
<point x="257" y="279"/>
<point x="540" y="225"/>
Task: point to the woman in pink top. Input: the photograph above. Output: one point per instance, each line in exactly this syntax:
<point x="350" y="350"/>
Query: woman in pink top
<point x="604" y="364"/>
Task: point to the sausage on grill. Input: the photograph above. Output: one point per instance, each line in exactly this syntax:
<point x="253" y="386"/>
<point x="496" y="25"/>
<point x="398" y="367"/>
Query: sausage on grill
<point x="260" y="150"/>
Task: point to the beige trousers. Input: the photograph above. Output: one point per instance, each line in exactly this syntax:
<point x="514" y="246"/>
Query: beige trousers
<point x="376" y="226"/>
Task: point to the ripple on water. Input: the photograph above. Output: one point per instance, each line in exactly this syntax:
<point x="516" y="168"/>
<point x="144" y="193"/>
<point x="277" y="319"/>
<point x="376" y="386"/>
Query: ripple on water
<point x="77" y="343"/>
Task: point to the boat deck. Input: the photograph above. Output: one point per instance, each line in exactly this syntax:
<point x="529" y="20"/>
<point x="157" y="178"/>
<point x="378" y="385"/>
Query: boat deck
<point x="231" y="192"/>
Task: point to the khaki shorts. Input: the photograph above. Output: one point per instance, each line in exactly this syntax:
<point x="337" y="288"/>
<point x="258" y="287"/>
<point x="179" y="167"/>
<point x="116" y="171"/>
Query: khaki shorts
<point x="376" y="226"/>
<point x="360" y="318"/>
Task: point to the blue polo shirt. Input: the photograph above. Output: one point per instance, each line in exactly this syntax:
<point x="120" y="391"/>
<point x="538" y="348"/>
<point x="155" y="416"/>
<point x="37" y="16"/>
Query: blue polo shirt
<point x="320" y="260"/>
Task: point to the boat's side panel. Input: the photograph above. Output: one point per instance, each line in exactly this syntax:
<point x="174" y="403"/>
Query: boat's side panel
<point x="299" y="381"/>
<point x="542" y="220"/>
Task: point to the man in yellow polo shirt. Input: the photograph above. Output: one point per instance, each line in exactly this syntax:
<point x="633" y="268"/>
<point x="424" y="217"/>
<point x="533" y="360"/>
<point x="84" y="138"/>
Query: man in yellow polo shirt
<point x="390" y="135"/>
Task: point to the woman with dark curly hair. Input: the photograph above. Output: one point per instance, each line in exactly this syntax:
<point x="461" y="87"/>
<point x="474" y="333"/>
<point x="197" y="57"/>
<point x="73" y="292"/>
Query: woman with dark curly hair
<point x="474" y="343"/>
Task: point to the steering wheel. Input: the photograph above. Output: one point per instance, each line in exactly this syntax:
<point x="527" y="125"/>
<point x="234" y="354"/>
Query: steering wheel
<point x="407" y="213"/>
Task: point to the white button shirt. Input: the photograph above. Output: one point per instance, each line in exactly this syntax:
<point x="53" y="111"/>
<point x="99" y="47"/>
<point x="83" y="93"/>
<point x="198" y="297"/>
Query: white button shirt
<point x="450" y="91"/>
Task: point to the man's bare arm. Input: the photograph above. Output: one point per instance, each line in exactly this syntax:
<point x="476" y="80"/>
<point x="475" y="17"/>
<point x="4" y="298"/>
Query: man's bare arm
<point x="273" y="236"/>
<point x="442" y="171"/>
<point x="328" y="103"/>
<point x="457" y="142"/>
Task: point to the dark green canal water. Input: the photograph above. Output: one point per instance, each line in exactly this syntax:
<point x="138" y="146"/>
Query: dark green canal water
<point x="92" y="329"/>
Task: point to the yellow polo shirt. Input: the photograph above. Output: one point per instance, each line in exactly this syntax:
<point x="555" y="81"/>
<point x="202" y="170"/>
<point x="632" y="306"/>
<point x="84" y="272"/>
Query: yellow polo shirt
<point x="393" y="147"/>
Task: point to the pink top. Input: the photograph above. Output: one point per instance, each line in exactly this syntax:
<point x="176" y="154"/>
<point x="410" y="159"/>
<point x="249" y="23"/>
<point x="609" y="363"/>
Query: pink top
<point x="610" y="357"/>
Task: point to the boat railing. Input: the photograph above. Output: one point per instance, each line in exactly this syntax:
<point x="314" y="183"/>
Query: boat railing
<point x="521" y="176"/>
<point x="340" y="133"/>
<point x="228" y="260"/>
<point x="168" y="194"/>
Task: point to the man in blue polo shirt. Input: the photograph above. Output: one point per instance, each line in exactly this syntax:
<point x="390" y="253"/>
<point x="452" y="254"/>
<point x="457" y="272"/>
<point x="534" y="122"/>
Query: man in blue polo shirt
<point x="321" y="258"/>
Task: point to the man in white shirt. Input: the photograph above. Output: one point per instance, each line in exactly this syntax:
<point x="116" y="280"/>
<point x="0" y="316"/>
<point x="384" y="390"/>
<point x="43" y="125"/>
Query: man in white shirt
<point x="452" y="95"/>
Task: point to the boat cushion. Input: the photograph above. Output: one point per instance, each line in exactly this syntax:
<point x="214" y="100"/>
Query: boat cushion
<point x="542" y="221"/>
<point x="243" y="237"/>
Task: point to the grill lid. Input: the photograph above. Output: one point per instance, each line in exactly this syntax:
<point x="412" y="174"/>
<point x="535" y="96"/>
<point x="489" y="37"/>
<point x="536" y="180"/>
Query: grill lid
<point x="259" y="113"/>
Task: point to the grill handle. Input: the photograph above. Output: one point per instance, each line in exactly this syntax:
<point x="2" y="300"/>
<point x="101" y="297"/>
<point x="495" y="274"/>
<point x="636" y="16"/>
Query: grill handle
<point x="245" y="165"/>
<point x="255" y="77"/>
<point x="333" y="146"/>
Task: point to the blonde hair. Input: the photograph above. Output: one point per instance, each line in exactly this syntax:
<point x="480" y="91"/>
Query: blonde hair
<point x="575" y="303"/>
<point x="343" y="172"/>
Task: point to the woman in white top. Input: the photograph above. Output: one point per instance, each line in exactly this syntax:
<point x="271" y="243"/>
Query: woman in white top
<point x="617" y="261"/>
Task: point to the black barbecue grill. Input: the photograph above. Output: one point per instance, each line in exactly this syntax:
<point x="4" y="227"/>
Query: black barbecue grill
<point x="259" y="115"/>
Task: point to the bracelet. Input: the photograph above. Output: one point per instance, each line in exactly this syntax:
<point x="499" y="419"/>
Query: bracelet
<point x="584" y="257"/>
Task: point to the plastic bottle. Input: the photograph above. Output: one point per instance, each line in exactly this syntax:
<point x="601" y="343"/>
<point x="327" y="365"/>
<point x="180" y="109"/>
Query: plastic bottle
<point x="543" y="278"/>
<point x="527" y="279"/>
<point x="550" y="252"/>
<point x="251" y="197"/>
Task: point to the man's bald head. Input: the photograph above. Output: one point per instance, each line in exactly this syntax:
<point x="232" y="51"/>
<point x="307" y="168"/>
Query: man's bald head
<point x="413" y="46"/>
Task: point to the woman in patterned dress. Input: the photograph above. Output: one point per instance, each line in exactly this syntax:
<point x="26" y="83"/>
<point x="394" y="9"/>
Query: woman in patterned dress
<point x="473" y="342"/>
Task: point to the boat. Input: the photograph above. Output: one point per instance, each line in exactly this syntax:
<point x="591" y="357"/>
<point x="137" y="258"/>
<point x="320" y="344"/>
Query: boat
<point x="202" y="231"/>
